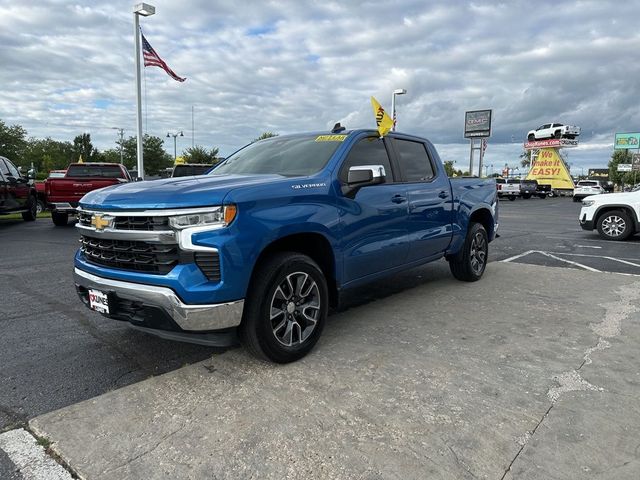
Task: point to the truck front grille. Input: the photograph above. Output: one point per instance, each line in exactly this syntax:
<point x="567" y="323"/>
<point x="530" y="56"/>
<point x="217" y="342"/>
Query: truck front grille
<point x="131" y="255"/>
<point x="148" y="224"/>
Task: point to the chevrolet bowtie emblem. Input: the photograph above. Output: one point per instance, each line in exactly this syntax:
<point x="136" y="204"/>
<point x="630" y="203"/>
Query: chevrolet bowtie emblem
<point x="101" y="222"/>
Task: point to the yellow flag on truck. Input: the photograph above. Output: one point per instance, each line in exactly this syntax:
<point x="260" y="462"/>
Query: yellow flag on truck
<point x="549" y="169"/>
<point x="383" y="121"/>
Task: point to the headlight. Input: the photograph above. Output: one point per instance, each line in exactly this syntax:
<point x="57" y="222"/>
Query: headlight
<point x="218" y="216"/>
<point x="588" y="203"/>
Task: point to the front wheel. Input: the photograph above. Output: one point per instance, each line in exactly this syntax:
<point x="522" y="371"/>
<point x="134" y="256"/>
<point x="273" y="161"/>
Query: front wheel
<point x="543" y="196"/>
<point x="512" y="198"/>
<point x="526" y="196"/>
<point x="286" y="308"/>
<point x="615" y="225"/>
<point x="32" y="212"/>
<point x="60" y="219"/>
<point x="469" y="264"/>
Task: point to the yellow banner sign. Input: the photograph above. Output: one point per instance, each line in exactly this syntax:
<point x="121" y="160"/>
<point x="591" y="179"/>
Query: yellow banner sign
<point x="549" y="169"/>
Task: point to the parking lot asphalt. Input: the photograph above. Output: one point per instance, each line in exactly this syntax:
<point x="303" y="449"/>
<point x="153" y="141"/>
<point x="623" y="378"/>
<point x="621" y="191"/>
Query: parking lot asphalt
<point x="55" y="353"/>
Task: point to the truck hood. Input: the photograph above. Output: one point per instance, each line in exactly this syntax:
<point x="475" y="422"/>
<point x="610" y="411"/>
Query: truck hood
<point x="182" y="192"/>
<point x="626" y="197"/>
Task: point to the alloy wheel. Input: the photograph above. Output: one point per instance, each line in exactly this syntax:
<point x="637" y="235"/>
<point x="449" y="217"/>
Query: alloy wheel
<point x="613" y="226"/>
<point x="478" y="254"/>
<point x="295" y="309"/>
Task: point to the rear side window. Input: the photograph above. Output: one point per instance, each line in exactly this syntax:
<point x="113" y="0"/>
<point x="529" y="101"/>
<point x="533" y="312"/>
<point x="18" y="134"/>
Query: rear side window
<point x="414" y="160"/>
<point x="368" y="151"/>
<point x="86" y="170"/>
<point x="4" y="171"/>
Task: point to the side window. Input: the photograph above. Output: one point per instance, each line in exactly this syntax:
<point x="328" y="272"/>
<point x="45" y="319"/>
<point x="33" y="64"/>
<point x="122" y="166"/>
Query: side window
<point x="414" y="161"/>
<point x="13" y="171"/>
<point x="4" y="171"/>
<point x="546" y="125"/>
<point x="368" y="151"/>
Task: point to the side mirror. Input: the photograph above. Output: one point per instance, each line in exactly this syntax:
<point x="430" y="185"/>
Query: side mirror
<point x="11" y="179"/>
<point x="361" y="176"/>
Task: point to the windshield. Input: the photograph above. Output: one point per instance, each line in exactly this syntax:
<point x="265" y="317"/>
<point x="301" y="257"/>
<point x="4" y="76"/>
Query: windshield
<point x="287" y="156"/>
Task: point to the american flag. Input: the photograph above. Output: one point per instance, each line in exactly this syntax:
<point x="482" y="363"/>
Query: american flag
<point x="152" y="59"/>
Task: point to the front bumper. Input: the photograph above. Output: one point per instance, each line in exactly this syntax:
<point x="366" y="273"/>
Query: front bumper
<point x="154" y="307"/>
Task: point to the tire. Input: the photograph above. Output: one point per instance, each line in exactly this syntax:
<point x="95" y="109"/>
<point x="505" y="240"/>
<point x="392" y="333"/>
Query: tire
<point x="531" y="138"/>
<point x="615" y="225"/>
<point x="31" y="214"/>
<point x="526" y="196"/>
<point x="281" y="337"/>
<point x="512" y="198"/>
<point x="542" y="196"/>
<point x="41" y="206"/>
<point x="470" y="263"/>
<point x="576" y="199"/>
<point x="60" y="219"/>
<point x="557" y="134"/>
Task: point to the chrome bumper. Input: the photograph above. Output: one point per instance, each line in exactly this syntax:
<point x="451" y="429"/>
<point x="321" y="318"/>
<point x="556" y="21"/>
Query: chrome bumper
<point x="193" y="318"/>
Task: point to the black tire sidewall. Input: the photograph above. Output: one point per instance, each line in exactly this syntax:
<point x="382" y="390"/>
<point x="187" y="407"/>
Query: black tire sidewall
<point x="461" y="264"/>
<point x="271" y="275"/>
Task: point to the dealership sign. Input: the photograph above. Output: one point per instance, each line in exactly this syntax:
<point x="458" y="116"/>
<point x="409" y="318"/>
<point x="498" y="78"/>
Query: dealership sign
<point x="624" y="167"/>
<point x="599" y="173"/>
<point x="627" y="140"/>
<point x="477" y="123"/>
<point x="550" y="143"/>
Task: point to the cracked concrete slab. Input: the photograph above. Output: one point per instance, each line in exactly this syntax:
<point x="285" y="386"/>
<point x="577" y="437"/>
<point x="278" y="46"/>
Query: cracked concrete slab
<point x="444" y="381"/>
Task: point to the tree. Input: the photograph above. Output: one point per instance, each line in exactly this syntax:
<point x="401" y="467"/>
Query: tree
<point x="620" y="156"/>
<point x="12" y="141"/>
<point x="525" y="158"/>
<point x="448" y="167"/>
<point x="47" y="154"/>
<point x="200" y="154"/>
<point x="265" y="135"/>
<point x="155" y="157"/>
<point x="82" y="146"/>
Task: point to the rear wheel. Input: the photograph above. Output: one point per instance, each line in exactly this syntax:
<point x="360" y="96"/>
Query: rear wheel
<point x="32" y="212"/>
<point x="512" y="198"/>
<point x="542" y="196"/>
<point x="41" y="206"/>
<point x="531" y="137"/>
<point x="286" y="308"/>
<point x="526" y="196"/>
<point x="469" y="264"/>
<point x="60" y="219"/>
<point x="557" y="134"/>
<point x="614" y="225"/>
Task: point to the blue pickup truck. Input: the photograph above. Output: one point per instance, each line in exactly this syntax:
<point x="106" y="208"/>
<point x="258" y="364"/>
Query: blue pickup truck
<point x="269" y="240"/>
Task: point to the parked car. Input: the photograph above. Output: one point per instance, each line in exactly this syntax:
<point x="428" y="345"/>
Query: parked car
<point x="584" y="188"/>
<point x="17" y="195"/>
<point x="63" y="194"/>
<point x="274" y="235"/>
<point x="553" y="130"/>
<point x="616" y="216"/>
<point x="189" y="169"/>
<point x="510" y="189"/>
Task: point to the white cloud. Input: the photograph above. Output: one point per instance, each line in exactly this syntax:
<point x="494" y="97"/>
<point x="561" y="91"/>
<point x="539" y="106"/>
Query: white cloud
<point x="293" y="66"/>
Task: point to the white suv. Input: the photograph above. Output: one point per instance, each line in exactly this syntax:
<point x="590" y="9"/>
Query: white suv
<point x="615" y="215"/>
<point x="584" y="188"/>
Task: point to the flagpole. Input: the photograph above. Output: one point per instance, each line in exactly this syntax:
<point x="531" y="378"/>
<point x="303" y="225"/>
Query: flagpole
<point x="144" y="10"/>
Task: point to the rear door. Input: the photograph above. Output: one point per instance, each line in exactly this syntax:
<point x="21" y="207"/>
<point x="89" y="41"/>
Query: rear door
<point x="429" y="196"/>
<point x="374" y="220"/>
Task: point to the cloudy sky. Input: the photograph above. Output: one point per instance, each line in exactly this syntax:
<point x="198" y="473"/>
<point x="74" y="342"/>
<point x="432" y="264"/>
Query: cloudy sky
<point x="290" y="66"/>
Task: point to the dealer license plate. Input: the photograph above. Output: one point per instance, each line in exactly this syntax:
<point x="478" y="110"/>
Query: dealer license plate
<point x="98" y="301"/>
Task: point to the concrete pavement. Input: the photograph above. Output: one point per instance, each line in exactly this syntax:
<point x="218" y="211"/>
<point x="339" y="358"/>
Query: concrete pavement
<point x="530" y="373"/>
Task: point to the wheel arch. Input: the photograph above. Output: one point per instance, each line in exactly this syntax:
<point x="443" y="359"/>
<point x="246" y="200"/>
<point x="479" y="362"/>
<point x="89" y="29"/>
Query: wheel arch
<point x="607" y="208"/>
<point x="312" y="244"/>
<point x="484" y="217"/>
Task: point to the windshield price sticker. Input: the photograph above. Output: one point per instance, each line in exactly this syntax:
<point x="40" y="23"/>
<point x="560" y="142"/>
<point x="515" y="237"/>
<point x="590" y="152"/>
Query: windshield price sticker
<point x="98" y="301"/>
<point x="330" y="138"/>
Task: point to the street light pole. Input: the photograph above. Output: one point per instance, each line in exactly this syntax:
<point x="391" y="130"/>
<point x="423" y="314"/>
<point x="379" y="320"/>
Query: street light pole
<point x="398" y="91"/>
<point x="175" y="149"/>
<point x="145" y="10"/>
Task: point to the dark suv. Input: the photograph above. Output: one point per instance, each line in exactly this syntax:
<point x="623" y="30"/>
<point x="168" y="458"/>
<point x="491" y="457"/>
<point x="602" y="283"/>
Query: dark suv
<point x="17" y="195"/>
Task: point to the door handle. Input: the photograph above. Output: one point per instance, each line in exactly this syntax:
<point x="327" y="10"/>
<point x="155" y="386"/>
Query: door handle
<point x="398" y="199"/>
<point x="443" y="194"/>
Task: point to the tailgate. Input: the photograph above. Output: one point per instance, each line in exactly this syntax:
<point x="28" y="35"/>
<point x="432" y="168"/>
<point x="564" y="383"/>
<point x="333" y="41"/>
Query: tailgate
<point x="73" y="189"/>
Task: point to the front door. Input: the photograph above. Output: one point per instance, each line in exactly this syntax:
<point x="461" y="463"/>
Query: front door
<point x="374" y="220"/>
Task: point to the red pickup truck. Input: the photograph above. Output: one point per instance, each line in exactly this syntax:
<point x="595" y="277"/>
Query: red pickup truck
<point x="63" y="194"/>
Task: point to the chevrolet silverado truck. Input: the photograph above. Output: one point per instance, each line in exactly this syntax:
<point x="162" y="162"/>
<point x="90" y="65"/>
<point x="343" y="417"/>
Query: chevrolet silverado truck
<point x="616" y="216"/>
<point x="64" y="194"/>
<point x="553" y="130"/>
<point x="270" y="239"/>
